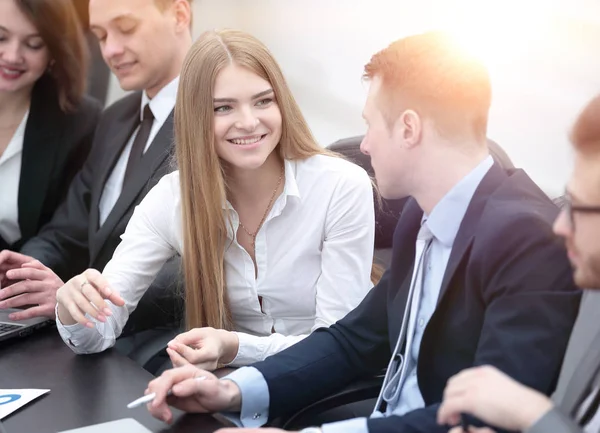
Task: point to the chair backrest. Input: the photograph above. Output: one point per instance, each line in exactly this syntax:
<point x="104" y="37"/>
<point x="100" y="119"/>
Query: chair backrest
<point x="386" y="216"/>
<point x="350" y="148"/>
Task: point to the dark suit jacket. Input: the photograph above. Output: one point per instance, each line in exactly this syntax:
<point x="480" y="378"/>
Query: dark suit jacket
<point x="581" y="368"/>
<point x="507" y="299"/>
<point x="74" y="241"/>
<point x="55" y="147"/>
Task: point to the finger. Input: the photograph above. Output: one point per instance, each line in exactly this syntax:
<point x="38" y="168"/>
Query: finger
<point x="92" y="295"/>
<point x="201" y="358"/>
<point x="189" y="338"/>
<point x="162" y="412"/>
<point x="165" y="382"/>
<point x="101" y="284"/>
<point x="30" y="313"/>
<point x="86" y="307"/>
<point x="189" y="387"/>
<point x="450" y="410"/>
<point x="20" y="288"/>
<point x="26" y="274"/>
<point x="35" y="264"/>
<point x="23" y="300"/>
<point x="176" y="358"/>
<point x="76" y="313"/>
<point x="185" y="404"/>
<point x="10" y="258"/>
<point x="192" y="355"/>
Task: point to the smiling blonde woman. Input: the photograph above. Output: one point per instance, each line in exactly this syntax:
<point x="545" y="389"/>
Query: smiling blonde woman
<point x="276" y="233"/>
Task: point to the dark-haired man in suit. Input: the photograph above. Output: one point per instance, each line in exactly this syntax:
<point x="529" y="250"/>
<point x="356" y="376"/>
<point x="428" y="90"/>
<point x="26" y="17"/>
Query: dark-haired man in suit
<point x="476" y="277"/>
<point x="144" y="42"/>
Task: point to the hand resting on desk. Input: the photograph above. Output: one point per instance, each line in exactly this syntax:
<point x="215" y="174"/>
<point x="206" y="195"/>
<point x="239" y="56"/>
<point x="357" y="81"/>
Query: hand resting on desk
<point x="86" y="294"/>
<point x="26" y="282"/>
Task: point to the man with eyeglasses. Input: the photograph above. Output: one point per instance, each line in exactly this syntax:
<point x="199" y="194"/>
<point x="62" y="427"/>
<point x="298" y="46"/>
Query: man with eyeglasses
<point x="493" y="397"/>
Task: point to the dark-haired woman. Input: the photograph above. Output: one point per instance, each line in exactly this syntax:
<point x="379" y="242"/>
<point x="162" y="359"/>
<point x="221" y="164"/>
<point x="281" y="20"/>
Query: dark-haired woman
<point x="46" y="122"/>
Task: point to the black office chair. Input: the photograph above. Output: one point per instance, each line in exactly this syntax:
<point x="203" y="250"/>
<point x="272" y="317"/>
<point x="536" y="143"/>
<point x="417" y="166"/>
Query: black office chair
<point x="386" y="220"/>
<point x="157" y="319"/>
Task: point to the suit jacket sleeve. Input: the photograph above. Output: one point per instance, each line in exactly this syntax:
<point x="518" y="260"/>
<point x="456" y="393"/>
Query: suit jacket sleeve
<point x="531" y="304"/>
<point x="62" y="244"/>
<point x="555" y="422"/>
<point x="330" y="358"/>
<point x="88" y="120"/>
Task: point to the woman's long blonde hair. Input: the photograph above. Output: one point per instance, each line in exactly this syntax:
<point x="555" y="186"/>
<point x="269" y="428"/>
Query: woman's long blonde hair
<point x="202" y="181"/>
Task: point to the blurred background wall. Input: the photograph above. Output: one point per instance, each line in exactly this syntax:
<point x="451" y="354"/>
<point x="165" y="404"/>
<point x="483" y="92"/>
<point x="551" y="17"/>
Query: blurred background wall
<point x="542" y="55"/>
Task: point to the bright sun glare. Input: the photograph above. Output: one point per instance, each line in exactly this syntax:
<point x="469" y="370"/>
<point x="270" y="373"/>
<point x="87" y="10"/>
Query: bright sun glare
<point x="498" y="31"/>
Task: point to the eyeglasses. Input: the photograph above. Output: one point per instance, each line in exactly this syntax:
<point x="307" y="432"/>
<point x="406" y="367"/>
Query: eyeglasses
<point x="570" y="209"/>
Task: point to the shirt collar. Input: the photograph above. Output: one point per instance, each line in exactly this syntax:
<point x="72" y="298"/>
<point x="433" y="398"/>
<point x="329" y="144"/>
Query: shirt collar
<point x="163" y="103"/>
<point x="446" y="217"/>
<point x="290" y="188"/>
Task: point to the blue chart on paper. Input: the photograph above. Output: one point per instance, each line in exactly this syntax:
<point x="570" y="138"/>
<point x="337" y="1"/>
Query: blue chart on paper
<point x="9" y="398"/>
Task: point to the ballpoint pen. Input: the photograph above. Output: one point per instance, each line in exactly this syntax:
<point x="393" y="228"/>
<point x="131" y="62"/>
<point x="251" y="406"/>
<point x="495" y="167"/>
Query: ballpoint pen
<point x="148" y="398"/>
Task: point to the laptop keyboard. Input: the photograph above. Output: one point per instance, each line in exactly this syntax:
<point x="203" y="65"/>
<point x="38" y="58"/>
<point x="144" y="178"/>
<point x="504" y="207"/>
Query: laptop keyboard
<point x="4" y="327"/>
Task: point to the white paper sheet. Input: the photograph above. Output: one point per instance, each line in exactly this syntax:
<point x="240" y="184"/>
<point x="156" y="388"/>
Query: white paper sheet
<point x="13" y="399"/>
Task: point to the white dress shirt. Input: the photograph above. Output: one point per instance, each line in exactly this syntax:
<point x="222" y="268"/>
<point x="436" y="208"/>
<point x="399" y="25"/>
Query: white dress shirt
<point x="313" y="253"/>
<point x="161" y="106"/>
<point x="593" y="425"/>
<point x="10" y="176"/>
<point x="444" y="223"/>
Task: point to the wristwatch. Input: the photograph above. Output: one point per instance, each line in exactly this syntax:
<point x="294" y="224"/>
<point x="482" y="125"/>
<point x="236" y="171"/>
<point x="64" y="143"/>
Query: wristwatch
<point x="311" y="430"/>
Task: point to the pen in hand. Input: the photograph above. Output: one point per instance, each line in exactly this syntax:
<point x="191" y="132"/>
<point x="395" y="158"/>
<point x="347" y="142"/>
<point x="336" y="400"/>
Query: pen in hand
<point x="148" y="398"/>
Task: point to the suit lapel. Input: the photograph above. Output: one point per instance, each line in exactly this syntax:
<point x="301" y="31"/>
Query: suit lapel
<point x="577" y="388"/>
<point x="158" y="151"/>
<point x="468" y="226"/>
<point x="123" y="128"/>
<point x="43" y="133"/>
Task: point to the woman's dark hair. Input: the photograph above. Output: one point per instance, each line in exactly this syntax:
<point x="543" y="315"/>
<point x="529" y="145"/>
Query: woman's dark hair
<point x="58" y="25"/>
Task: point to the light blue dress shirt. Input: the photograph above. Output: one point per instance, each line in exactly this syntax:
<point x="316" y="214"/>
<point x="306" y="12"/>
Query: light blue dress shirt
<point x="444" y="222"/>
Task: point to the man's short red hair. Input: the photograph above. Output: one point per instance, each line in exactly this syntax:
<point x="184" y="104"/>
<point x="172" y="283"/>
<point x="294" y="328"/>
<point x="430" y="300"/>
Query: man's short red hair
<point x="585" y="134"/>
<point x="430" y="74"/>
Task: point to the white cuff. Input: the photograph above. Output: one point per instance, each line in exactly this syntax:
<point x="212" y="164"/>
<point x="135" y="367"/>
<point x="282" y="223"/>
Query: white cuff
<point x="250" y="350"/>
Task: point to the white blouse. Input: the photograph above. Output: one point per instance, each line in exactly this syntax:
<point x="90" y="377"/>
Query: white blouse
<point x="314" y="254"/>
<point x="10" y="176"/>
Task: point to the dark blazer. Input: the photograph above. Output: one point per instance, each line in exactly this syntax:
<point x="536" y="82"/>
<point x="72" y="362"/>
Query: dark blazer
<point x="507" y="299"/>
<point x="55" y="147"/>
<point x="73" y="240"/>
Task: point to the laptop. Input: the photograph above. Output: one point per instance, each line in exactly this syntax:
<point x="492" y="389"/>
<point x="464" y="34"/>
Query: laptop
<point x="11" y="329"/>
